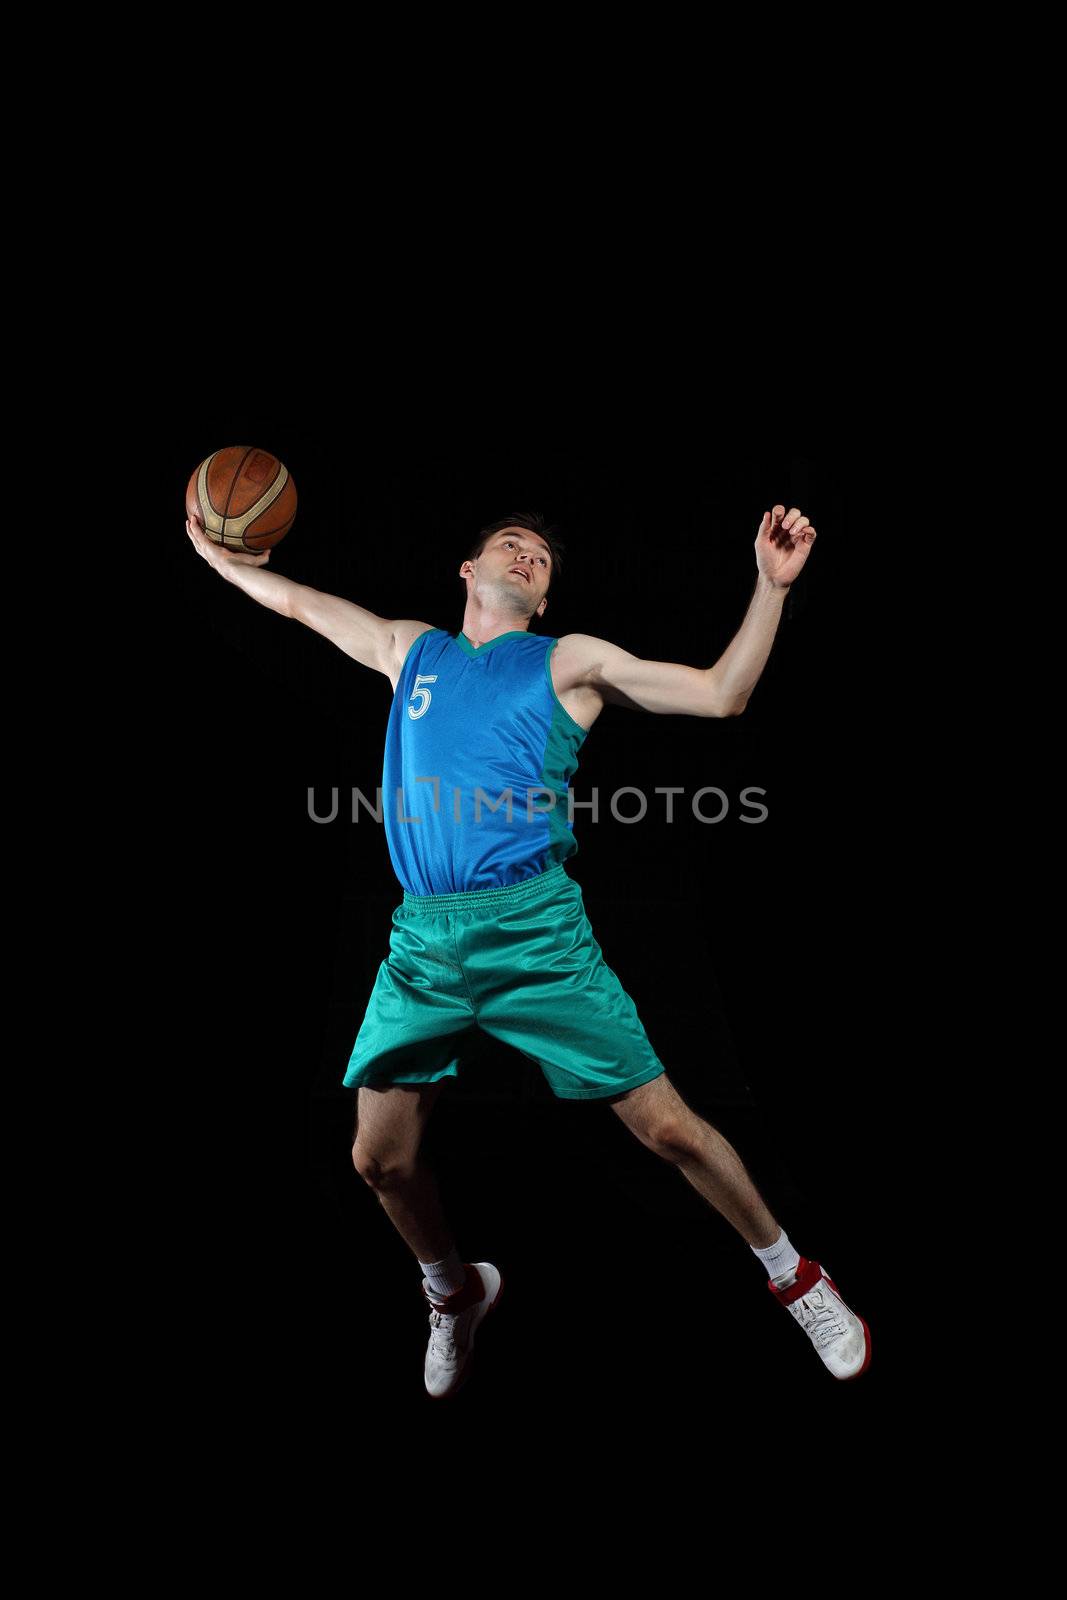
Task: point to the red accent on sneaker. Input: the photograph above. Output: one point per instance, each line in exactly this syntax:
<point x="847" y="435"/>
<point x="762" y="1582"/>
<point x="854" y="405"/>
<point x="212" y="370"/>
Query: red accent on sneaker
<point x="472" y="1291"/>
<point x="808" y="1275"/>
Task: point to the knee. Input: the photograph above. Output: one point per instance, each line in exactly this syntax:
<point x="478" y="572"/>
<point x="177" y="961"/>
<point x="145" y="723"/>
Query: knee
<point x="656" y="1113"/>
<point x="379" y="1169"/>
<point x="670" y="1138"/>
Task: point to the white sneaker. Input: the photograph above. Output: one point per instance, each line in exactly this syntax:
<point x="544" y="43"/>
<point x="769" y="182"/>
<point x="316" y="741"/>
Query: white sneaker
<point x="453" y="1323"/>
<point x="842" y="1339"/>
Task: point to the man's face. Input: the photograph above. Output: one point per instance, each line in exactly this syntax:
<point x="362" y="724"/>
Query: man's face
<point x="515" y="567"/>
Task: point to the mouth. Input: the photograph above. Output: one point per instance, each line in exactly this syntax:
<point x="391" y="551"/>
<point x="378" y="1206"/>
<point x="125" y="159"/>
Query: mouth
<point x="521" y="571"/>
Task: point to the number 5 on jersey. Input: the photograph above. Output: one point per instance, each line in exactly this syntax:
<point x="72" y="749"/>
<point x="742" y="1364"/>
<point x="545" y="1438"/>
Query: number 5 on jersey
<point x="421" y="694"/>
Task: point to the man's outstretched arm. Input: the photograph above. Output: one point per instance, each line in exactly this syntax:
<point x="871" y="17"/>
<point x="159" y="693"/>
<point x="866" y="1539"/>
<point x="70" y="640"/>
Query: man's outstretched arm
<point x="371" y="640"/>
<point x="723" y="690"/>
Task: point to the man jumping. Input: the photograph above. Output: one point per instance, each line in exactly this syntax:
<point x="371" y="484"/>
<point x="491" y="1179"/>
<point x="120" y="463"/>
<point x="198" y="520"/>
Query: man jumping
<point x="482" y="740"/>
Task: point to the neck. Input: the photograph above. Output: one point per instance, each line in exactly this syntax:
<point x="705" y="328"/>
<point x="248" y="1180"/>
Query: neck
<point x="481" y="624"/>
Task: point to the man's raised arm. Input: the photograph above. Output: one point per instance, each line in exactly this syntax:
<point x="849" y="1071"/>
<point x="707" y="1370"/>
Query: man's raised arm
<point x="371" y="640"/>
<point x="783" y="544"/>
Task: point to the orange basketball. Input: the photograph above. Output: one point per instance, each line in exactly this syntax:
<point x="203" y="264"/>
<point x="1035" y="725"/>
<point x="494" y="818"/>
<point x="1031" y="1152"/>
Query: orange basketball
<point x="245" y="498"/>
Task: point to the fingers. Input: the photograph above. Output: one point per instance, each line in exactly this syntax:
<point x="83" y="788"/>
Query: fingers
<point x="211" y="551"/>
<point x="772" y="524"/>
<point x="195" y="530"/>
<point x="791" y="522"/>
<point x="795" y="524"/>
<point x="798" y="527"/>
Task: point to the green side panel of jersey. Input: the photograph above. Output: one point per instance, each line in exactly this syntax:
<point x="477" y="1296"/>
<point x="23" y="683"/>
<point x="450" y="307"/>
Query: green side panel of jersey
<point x="565" y="738"/>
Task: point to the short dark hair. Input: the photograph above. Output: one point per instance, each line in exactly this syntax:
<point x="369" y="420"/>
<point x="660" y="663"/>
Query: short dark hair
<point x="535" y="523"/>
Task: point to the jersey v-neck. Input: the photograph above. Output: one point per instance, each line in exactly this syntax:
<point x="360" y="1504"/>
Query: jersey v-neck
<point x="470" y="650"/>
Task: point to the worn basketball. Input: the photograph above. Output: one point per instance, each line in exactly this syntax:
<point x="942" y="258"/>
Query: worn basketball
<point x="245" y="498"/>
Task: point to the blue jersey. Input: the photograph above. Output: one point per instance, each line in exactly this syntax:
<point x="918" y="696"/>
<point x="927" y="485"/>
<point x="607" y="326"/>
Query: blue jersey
<point x="478" y="754"/>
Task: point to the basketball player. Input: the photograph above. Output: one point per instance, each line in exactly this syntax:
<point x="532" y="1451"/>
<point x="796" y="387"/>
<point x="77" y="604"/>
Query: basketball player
<point x="483" y="737"/>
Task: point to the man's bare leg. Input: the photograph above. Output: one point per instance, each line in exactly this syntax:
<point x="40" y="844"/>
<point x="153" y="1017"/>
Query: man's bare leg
<point x="389" y="1129"/>
<point x="659" y="1117"/>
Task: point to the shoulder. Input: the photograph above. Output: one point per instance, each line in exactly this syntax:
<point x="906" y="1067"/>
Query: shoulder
<point x="404" y="635"/>
<point x="406" y="632"/>
<point x="581" y="657"/>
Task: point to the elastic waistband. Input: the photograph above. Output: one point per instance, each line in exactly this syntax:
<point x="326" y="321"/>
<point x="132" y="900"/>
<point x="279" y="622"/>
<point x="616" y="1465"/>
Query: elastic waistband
<point x="528" y="889"/>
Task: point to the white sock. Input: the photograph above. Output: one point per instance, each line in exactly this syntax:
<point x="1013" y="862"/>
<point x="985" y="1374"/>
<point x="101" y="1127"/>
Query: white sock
<point x="445" y="1277"/>
<point x="780" y="1259"/>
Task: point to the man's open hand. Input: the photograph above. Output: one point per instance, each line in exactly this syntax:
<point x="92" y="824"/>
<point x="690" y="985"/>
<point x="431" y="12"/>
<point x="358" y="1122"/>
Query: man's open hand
<point x="215" y="554"/>
<point x="783" y="544"/>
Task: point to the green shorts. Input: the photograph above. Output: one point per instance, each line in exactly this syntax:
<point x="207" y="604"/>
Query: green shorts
<point x="520" y="963"/>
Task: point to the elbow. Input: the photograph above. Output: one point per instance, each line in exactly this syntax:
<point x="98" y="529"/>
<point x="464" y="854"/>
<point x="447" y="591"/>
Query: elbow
<point x="723" y="703"/>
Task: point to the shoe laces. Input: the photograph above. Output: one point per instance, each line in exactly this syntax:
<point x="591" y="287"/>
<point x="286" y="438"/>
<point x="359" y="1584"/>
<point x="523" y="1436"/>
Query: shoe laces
<point x="819" y="1318"/>
<point x="443" y="1336"/>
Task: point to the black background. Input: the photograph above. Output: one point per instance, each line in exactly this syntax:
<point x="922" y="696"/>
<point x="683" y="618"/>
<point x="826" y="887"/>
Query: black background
<point x="757" y="956"/>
